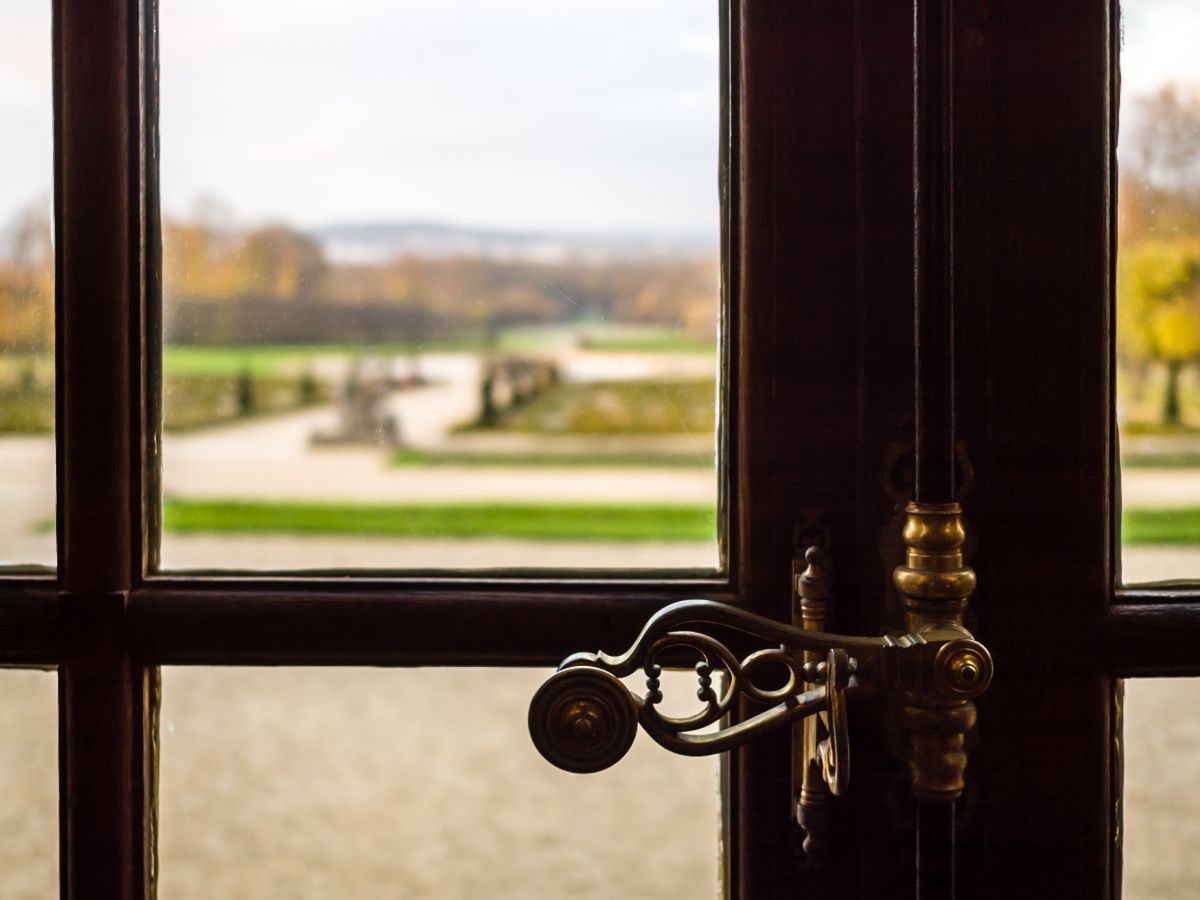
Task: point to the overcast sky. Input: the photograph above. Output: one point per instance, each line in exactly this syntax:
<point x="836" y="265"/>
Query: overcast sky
<point x="575" y="114"/>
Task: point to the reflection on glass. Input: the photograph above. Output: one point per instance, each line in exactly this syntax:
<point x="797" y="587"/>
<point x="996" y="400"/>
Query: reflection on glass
<point x="26" y="286"/>
<point x="440" y="284"/>
<point x="28" y="785"/>
<point x="351" y="783"/>
<point x="1162" y="805"/>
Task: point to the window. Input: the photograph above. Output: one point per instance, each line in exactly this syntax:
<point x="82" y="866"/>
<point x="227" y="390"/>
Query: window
<point x="817" y="248"/>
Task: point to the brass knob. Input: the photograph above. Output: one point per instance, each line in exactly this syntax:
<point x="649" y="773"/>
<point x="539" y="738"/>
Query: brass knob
<point x="582" y="719"/>
<point x="962" y="669"/>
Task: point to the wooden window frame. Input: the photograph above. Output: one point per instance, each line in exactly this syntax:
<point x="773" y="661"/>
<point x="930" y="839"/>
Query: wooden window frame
<point x="793" y="239"/>
<point x="106" y="618"/>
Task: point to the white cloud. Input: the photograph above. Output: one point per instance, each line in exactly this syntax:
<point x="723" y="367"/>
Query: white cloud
<point x="525" y="113"/>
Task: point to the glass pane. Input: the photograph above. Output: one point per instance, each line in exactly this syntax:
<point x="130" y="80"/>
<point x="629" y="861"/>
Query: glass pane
<point x="1162" y="801"/>
<point x="28" y="785"/>
<point x="26" y="286"/>
<point x="441" y="284"/>
<point x="423" y="783"/>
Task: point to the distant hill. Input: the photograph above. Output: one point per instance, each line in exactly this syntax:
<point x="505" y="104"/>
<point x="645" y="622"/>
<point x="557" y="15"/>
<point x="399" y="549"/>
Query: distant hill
<point x="375" y="242"/>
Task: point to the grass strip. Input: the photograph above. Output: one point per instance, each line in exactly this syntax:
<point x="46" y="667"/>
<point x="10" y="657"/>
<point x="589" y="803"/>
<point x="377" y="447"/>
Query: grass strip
<point x="559" y="522"/>
<point x="1157" y="429"/>
<point x="1161" y="461"/>
<point x="467" y="459"/>
<point x="274" y="359"/>
<point x="1161" y="526"/>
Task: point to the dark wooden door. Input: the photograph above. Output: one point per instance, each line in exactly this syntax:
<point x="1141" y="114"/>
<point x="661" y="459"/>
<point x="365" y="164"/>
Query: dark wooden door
<point x="827" y="282"/>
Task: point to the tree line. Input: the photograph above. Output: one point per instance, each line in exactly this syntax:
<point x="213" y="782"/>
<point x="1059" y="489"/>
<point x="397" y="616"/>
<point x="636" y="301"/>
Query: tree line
<point x="276" y="267"/>
<point x="274" y="283"/>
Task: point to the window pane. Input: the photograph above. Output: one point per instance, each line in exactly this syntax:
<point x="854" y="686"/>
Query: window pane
<point x="1162" y="802"/>
<point x="28" y="785"/>
<point x="353" y="783"/>
<point x="26" y="286"/>
<point x="441" y="284"/>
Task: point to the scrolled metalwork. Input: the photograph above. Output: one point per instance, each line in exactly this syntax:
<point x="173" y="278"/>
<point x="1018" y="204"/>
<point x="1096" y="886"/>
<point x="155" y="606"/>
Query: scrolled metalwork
<point x="787" y="702"/>
<point x="834" y="750"/>
<point x="806" y="688"/>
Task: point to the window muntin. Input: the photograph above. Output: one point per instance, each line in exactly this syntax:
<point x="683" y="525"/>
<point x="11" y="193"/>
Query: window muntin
<point x="441" y="286"/>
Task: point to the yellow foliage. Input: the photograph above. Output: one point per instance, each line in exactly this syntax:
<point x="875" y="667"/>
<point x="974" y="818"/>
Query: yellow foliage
<point x="1176" y="329"/>
<point x="1158" y="299"/>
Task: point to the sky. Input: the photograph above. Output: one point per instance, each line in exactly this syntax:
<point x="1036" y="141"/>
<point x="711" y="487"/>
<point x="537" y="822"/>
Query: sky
<point x="531" y="114"/>
<point x="1159" y="46"/>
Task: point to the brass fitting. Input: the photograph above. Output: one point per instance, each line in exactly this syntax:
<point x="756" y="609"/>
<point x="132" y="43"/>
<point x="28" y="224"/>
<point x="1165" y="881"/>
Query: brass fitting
<point x="937" y="712"/>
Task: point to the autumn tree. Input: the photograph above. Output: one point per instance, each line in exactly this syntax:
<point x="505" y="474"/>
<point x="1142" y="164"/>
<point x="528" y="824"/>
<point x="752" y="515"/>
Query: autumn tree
<point x="1158" y="271"/>
<point x="273" y="261"/>
<point x="27" y="279"/>
<point x="1158" y="310"/>
<point x="279" y="261"/>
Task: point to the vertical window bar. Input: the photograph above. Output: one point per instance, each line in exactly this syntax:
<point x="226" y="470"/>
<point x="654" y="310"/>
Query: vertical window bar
<point x="99" y="231"/>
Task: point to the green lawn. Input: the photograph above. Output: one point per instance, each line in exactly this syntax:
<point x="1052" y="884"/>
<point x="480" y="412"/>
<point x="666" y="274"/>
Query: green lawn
<point x="597" y="522"/>
<point x="1161" y="526"/>
<point x="1160" y="461"/>
<point x="616" y="407"/>
<point x="191" y="402"/>
<point x="27" y="410"/>
<point x="288" y="359"/>
<point x="229" y="362"/>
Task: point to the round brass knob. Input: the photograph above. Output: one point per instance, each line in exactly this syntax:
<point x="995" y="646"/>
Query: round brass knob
<point x="962" y="669"/>
<point x="583" y="719"/>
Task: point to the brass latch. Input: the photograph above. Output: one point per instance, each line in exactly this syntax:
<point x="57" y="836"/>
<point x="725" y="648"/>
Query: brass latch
<point x="584" y="718"/>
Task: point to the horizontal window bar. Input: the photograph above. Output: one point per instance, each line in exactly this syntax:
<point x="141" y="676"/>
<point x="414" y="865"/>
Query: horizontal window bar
<point x="1147" y="633"/>
<point x="380" y="625"/>
<point x="1152" y="633"/>
<point x="31" y="627"/>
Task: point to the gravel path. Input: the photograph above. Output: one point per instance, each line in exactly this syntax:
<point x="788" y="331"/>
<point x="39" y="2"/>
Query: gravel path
<point x="412" y="784"/>
<point x="1160" y="487"/>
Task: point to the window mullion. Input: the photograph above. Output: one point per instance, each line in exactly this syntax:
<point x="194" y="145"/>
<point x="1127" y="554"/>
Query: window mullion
<point x="99" y="240"/>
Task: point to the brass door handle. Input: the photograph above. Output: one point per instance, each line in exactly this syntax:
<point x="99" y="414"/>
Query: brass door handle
<point x="584" y="718"/>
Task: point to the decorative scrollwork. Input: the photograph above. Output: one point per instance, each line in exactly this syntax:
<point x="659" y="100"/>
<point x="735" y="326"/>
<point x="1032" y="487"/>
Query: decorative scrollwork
<point x="788" y="701"/>
<point x="834" y="750"/>
<point x="584" y="730"/>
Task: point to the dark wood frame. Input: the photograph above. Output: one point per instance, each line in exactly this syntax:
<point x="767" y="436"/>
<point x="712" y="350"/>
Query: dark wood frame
<point x="819" y="203"/>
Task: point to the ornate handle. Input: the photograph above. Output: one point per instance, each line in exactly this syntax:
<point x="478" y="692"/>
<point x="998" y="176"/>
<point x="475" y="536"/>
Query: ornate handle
<point x="584" y="718"/>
